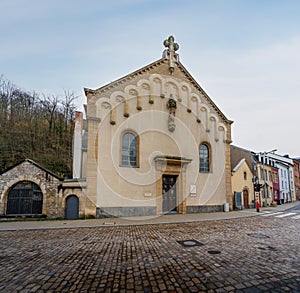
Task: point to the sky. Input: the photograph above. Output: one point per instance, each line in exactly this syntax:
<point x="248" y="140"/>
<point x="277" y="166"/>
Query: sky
<point x="244" y="54"/>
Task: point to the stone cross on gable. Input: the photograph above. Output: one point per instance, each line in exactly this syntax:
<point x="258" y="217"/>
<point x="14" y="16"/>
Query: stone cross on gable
<point x="169" y="43"/>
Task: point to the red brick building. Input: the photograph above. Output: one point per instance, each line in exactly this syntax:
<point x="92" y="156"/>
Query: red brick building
<point x="297" y="178"/>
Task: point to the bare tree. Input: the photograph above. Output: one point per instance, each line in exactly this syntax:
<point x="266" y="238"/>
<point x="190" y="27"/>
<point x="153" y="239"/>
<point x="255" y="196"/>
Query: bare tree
<point x="50" y="105"/>
<point x="36" y="126"/>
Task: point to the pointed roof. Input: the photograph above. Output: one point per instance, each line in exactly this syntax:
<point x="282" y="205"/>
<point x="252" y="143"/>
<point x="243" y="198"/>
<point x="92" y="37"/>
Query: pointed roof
<point x="239" y="164"/>
<point x="35" y="164"/>
<point x="169" y="56"/>
<point x="237" y="154"/>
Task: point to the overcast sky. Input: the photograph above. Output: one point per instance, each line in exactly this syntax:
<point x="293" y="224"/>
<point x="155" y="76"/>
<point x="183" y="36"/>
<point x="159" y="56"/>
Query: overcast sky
<point x="244" y="54"/>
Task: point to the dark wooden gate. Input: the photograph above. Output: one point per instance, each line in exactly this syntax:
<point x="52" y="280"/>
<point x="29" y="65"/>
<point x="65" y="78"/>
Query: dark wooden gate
<point x="72" y="207"/>
<point x="246" y="198"/>
<point x="169" y="193"/>
<point x="25" y="198"/>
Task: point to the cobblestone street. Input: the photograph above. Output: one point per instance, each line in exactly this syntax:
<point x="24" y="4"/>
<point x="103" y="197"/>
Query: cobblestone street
<point x="237" y="255"/>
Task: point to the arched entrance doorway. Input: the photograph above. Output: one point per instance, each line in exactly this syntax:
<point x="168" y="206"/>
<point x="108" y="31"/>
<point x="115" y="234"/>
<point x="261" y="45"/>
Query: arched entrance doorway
<point x="246" y="198"/>
<point x="25" y="198"/>
<point x="72" y="207"/>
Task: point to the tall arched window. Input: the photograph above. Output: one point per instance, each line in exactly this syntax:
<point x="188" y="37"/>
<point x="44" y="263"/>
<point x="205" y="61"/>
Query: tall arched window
<point x="204" y="158"/>
<point x="130" y="150"/>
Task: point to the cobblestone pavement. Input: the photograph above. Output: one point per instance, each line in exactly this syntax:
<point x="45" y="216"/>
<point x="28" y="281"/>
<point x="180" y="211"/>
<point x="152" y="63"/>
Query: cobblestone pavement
<point x="254" y="254"/>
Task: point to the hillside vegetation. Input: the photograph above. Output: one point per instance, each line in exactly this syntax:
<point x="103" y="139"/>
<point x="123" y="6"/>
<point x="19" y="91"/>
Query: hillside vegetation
<point x="36" y="126"/>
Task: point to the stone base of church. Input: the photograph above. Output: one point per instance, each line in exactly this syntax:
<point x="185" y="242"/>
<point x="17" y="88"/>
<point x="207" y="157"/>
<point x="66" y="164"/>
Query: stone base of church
<point x="115" y="212"/>
<point x="204" y="209"/>
<point x="111" y="212"/>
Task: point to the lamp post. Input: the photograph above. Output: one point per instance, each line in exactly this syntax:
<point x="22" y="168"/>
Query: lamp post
<point x="265" y="188"/>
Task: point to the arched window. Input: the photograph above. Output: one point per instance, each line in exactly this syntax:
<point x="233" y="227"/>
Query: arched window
<point x="204" y="158"/>
<point x="130" y="150"/>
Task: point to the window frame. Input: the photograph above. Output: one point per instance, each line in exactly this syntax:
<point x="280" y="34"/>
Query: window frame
<point x="207" y="167"/>
<point x="124" y="163"/>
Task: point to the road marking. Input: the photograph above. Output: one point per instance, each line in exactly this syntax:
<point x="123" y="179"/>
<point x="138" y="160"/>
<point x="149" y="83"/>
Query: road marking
<point x="285" y="215"/>
<point x="296" y="217"/>
<point x="272" y="214"/>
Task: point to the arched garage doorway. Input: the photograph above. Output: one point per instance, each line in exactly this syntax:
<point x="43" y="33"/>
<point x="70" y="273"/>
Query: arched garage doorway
<point x="72" y="207"/>
<point x="25" y="198"/>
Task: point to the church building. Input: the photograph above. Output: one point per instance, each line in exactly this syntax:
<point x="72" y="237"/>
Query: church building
<point x="153" y="142"/>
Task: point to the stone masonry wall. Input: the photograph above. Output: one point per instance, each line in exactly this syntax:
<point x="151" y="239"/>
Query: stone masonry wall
<point x="30" y="172"/>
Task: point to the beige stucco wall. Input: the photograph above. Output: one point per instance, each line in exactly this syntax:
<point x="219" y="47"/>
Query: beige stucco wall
<point x="239" y="183"/>
<point x="269" y="186"/>
<point x="111" y="185"/>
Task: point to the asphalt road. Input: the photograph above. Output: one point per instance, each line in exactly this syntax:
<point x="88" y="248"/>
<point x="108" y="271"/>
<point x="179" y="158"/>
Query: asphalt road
<point x="254" y="254"/>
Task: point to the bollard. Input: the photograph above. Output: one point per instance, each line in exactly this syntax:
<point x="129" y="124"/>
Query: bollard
<point x="257" y="206"/>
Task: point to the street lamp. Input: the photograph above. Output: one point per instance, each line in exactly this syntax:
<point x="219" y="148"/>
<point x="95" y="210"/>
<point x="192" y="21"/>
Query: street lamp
<point x="265" y="188"/>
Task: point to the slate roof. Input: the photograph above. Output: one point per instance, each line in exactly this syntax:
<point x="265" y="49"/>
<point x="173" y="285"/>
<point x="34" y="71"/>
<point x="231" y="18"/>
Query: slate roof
<point x="237" y="154"/>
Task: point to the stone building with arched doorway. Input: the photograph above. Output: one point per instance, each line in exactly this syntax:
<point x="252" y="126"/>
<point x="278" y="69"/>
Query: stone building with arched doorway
<point x="27" y="189"/>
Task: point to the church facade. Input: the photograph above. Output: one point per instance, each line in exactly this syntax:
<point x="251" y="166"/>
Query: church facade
<point x="153" y="142"/>
<point x="149" y="143"/>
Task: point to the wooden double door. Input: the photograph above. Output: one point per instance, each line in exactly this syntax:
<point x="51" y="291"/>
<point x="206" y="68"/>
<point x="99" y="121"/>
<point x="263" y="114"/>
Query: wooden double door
<point x="169" y="193"/>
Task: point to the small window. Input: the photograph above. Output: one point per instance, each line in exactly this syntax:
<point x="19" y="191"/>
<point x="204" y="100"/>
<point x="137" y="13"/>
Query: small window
<point x="129" y="150"/>
<point x="204" y="158"/>
<point x="245" y="175"/>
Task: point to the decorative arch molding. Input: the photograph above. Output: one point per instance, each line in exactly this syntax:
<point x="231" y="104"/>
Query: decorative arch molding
<point x="158" y="85"/>
<point x="222" y="129"/>
<point x="214" y="122"/>
<point x="195" y="99"/>
<point x="145" y="89"/>
<point x="185" y="95"/>
<point x="105" y="107"/>
<point x="132" y="92"/>
<point x="171" y="87"/>
<point x="116" y="96"/>
<point x="204" y="116"/>
<point x="120" y="98"/>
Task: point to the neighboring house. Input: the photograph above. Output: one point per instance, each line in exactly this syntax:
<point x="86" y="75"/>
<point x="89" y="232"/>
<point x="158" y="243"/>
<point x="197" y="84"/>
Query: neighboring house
<point x="156" y="143"/>
<point x="285" y="168"/>
<point x="242" y="185"/>
<point x="275" y="183"/>
<point x="297" y="178"/>
<point x="242" y="177"/>
<point x="286" y="176"/>
<point x="264" y="174"/>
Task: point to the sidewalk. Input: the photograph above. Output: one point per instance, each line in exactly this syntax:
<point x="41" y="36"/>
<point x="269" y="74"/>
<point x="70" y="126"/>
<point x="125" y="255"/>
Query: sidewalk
<point x="32" y="224"/>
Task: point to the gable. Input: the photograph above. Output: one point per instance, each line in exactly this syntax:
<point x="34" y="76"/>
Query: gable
<point x="241" y="163"/>
<point x="163" y="79"/>
<point x="22" y="164"/>
<point x="237" y="154"/>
